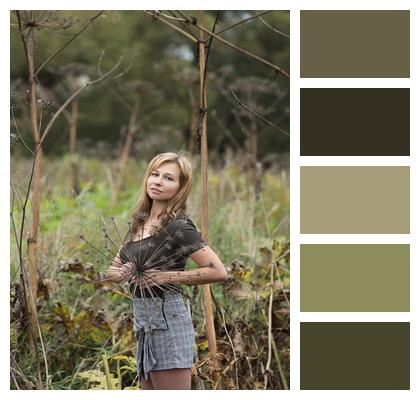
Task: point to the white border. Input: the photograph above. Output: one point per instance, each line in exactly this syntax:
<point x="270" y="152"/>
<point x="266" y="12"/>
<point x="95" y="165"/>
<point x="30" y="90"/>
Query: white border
<point x="354" y="82"/>
<point x="354" y="161"/>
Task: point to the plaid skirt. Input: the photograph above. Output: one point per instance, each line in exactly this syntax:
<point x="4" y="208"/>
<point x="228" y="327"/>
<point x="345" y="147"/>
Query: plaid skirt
<point x="164" y="333"/>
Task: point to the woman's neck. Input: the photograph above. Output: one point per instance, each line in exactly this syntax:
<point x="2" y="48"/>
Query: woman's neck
<point x="157" y="207"/>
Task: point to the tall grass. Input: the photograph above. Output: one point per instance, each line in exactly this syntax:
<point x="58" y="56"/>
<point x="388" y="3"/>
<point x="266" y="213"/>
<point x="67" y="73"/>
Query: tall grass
<point x="87" y="325"/>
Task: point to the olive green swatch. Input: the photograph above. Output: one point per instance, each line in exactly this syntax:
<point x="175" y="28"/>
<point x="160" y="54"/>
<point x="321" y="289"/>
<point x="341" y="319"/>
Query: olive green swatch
<point x="355" y="277"/>
<point x="355" y="199"/>
<point x="355" y="355"/>
<point x="355" y="44"/>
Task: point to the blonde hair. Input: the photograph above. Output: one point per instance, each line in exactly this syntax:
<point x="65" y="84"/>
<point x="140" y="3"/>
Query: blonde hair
<point x="177" y="205"/>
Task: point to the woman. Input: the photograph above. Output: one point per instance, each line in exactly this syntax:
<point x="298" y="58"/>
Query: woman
<point x="153" y="258"/>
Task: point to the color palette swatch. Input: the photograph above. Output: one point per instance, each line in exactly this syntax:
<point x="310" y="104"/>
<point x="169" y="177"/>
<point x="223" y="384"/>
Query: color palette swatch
<point x="355" y="122"/>
<point x="355" y="199"/>
<point x="355" y="355"/>
<point x="355" y="277"/>
<point x="368" y="198"/>
<point x="355" y="44"/>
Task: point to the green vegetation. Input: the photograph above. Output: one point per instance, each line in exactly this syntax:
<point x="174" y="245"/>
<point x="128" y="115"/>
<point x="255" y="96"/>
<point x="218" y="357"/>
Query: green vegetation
<point x="86" y="324"/>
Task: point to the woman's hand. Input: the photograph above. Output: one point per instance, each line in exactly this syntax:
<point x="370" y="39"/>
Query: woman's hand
<point x="154" y="277"/>
<point x="120" y="274"/>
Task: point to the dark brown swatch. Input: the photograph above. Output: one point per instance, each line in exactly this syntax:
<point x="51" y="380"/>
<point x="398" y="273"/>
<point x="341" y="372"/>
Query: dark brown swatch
<point x="355" y="277"/>
<point x="355" y="122"/>
<point x="355" y="44"/>
<point x="355" y="355"/>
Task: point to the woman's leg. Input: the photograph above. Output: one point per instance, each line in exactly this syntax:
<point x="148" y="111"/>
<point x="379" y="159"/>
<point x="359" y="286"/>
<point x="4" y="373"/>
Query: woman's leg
<point x="146" y="385"/>
<point x="171" y="379"/>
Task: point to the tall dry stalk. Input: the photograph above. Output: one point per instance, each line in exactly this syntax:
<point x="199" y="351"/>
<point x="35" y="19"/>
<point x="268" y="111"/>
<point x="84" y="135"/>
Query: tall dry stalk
<point x="208" y="306"/>
<point x="253" y="153"/>
<point x="28" y="22"/>
<point x="192" y="119"/>
<point x="74" y="182"/>
<point x="126" y="149"/>
<point x="189" y="78"/>
<point x="36" y="197"/>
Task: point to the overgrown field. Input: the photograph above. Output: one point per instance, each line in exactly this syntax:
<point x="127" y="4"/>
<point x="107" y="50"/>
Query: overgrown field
<point x="86" y="325"/>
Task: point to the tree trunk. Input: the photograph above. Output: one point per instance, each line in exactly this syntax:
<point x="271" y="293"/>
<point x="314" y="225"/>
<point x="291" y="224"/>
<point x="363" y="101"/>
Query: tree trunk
<point x="74" y="184"/>
<point x="208" y="307"/>
<point x="126" y="150"/>
<point x="36" y="198"/>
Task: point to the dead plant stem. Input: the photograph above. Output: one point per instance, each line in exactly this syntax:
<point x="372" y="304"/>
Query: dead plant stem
<point x="242" y="21"/>
<point x="60" y="49"/>
<point x="257" y="114"/>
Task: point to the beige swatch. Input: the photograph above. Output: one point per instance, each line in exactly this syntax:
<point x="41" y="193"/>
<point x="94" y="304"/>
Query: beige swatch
<point x="355" y="200"/>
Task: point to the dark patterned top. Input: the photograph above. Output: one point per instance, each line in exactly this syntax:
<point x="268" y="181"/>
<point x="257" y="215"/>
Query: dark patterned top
<point x="166" y="250"/>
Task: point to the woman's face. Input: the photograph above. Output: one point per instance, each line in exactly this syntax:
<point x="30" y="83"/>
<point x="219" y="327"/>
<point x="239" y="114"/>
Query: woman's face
<point x="163" y="182"/>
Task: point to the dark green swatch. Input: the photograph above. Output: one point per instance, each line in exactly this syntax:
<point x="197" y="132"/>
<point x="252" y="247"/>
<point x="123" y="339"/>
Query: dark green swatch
<point x="355" y="199"/>
<point x="355" y="44"/>
<point x="355" y="122"/>
<point x="355" y="355"/>
<point x="355" y="277"/>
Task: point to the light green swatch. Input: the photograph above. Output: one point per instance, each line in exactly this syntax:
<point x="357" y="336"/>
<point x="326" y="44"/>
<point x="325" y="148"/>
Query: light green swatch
<point x="355" y="277"/>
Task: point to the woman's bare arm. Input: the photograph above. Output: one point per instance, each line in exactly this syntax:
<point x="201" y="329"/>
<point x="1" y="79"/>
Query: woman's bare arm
<point x="210" y="269"/>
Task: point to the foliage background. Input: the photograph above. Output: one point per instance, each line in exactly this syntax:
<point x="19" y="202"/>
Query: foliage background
<point x="155" y="53"/>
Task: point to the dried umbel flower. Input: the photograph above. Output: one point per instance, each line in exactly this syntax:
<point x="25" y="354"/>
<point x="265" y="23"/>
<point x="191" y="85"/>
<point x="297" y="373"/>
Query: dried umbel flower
<point x="151" y="254"/>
